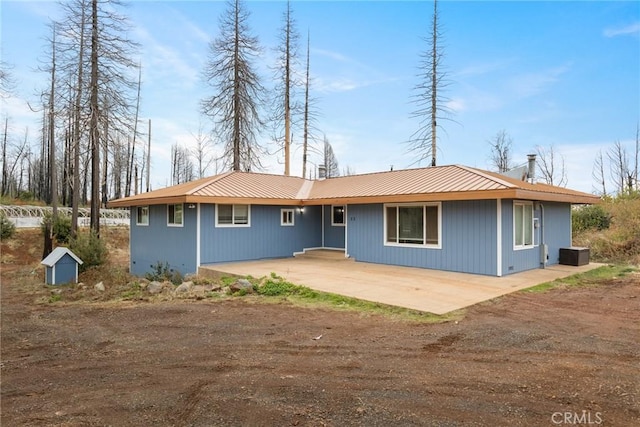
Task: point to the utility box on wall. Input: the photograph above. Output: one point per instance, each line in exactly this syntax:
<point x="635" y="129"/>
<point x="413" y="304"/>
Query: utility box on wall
<point x="61" y="267"/>
<point x="574" y="256"/>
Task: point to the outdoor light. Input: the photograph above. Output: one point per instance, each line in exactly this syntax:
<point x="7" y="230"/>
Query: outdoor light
<point x="301" y="210"/>
<point x="191" y="206"/>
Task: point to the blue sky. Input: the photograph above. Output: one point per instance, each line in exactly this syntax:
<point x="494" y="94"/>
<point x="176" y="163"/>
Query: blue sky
<point x="561" y="73"/>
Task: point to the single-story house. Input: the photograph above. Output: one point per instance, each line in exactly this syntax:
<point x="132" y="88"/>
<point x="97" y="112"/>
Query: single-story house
<point x="453" y="218"/>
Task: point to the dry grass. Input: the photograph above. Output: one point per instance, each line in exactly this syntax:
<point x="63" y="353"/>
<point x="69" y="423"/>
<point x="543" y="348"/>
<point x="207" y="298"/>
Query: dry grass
<point x="620" y="243"/>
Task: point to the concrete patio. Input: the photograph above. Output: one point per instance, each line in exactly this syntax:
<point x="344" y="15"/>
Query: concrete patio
<point x="432" y="291"/>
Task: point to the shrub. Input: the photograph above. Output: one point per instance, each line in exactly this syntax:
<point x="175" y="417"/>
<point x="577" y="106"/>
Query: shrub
<point x="162" y="272"/>
<point x="590" y="217"/>
<point x="90" y="249"/>
<point x="61" y="227"/>
<point x="7" y="228"/>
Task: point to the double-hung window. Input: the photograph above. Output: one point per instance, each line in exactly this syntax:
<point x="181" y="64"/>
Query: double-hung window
<point x="233" y="215"/>
<point x="413" y="225"/>
<point x="522" y="225"/>
<point x="142" y="215"/>
<point x="174" y="215"/>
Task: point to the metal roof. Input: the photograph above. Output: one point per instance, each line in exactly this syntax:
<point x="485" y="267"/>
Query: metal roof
<point x="409" y="185"/>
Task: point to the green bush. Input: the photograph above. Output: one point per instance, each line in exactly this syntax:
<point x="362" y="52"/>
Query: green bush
<point x="162" y="272"/>
<point x="7" y="228"/>
<point x="590" y="217"/>
<point x="61" y="227"/>
<point x="90" y="249"/>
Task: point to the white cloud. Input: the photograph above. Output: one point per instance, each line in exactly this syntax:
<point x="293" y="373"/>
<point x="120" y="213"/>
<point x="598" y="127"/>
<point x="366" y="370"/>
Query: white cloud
<point x="530" y="84"/>
<point x="456" y="105"/>
<point x="483" y="68"/>
<point x="165" y="62"/>
<point x="622" y="31"/>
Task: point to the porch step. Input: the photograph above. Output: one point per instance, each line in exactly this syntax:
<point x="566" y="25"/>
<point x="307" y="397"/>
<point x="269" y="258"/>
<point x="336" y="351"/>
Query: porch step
<point x="325" y="254"/>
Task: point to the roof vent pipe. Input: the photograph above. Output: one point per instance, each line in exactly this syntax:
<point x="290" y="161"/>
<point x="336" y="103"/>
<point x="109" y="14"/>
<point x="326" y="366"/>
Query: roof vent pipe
<point x="322" y="171"/>
<point x="531" y="172"/>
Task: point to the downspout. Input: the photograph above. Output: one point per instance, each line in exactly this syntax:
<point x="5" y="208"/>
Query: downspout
<point x="197" y="237"/>
<point x="323" y="206"/>
<point x="499" y="237"/>
<point x="346" y="229"/>
<point x="543" y="250"/>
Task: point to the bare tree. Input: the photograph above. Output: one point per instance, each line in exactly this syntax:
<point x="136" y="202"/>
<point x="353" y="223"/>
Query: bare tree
<point x="619" y="166"/>
<point x="234" y="106"/>
<point x="551" y="166"/>
<point x="330" y="160"/>
<point x="181" y="165"/>
<point x="501" y="151"/>
<point x="431" y="104"/>
<point x="93" y="42"/>
<point x="636" y="156"/>
<point x="135" y="131"/>
<point x="7" y="82"/>
<point x="285" y="106"/>
<point x="310" y="115"/>
<point x="599" y="175"/>
<point x="202" y="152"/>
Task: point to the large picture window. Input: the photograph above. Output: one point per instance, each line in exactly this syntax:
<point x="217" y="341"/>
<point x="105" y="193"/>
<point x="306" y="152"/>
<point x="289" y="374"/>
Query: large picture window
<point x="142" y="215"/>
<point x="232" y="215"/>
<point x="413" y="224"/>
<point x="522" y="224"/>
<point x="174" y="215"/>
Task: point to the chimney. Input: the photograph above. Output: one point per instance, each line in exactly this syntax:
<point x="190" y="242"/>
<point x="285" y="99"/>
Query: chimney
<point x="322" y="171"/>
<point x="531" y="172"/>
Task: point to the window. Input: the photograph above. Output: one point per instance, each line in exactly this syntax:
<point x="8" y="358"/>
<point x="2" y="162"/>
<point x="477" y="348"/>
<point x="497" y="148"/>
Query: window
<point x="174" y="215"/>
<point x="337" y="215"/>
<point x="286" y="216"/>
<point x="413" y="224"/>
<point x="522" y="224"/>
<point x="142" y="215"/>
<point x="232" y="215"/>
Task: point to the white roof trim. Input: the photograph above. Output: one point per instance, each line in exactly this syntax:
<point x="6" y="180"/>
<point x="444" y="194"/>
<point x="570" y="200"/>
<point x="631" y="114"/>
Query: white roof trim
<point x="58" y="253"/>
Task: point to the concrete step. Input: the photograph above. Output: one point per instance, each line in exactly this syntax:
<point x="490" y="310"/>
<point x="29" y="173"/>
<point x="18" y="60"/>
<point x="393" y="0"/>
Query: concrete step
<point x="325" y="254"/>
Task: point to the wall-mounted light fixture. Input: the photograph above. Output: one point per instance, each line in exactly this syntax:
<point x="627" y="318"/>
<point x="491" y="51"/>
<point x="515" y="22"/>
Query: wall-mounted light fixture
<point x="191" y="206"/>
<point x="301" y="210"/>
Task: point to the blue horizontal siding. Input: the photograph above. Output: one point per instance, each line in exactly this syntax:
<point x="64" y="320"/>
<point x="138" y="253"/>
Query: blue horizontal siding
<point x="265" y="238"/>
<point x="157" y="242"/>
<point x="469" y="242"/>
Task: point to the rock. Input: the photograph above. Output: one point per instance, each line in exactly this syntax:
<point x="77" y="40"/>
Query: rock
<point x="241" y="285"/>
<point x="99" y="287"/>
<point x="184" y="287"/>
<point x="155" y="287"/>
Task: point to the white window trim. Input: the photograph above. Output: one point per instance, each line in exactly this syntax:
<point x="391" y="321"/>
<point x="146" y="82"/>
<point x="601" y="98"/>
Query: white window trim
<point x="344" y="216"/>
<point x="171" y="224"/>
<point x="248" y="224"/>
<point x="142" y="224"/>
<point x="293" y="217"/>
<point x="413" y="245"/>
<point x="533" y="235"/>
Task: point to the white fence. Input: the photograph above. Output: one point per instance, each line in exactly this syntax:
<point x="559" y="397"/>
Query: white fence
<point x="31" y="216"/>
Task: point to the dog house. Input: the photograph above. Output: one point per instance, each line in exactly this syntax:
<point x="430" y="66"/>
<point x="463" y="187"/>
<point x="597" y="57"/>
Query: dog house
<point x="61" y="266"/>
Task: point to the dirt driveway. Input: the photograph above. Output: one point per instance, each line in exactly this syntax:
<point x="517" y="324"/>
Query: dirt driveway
<point x="522" y="360"/>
